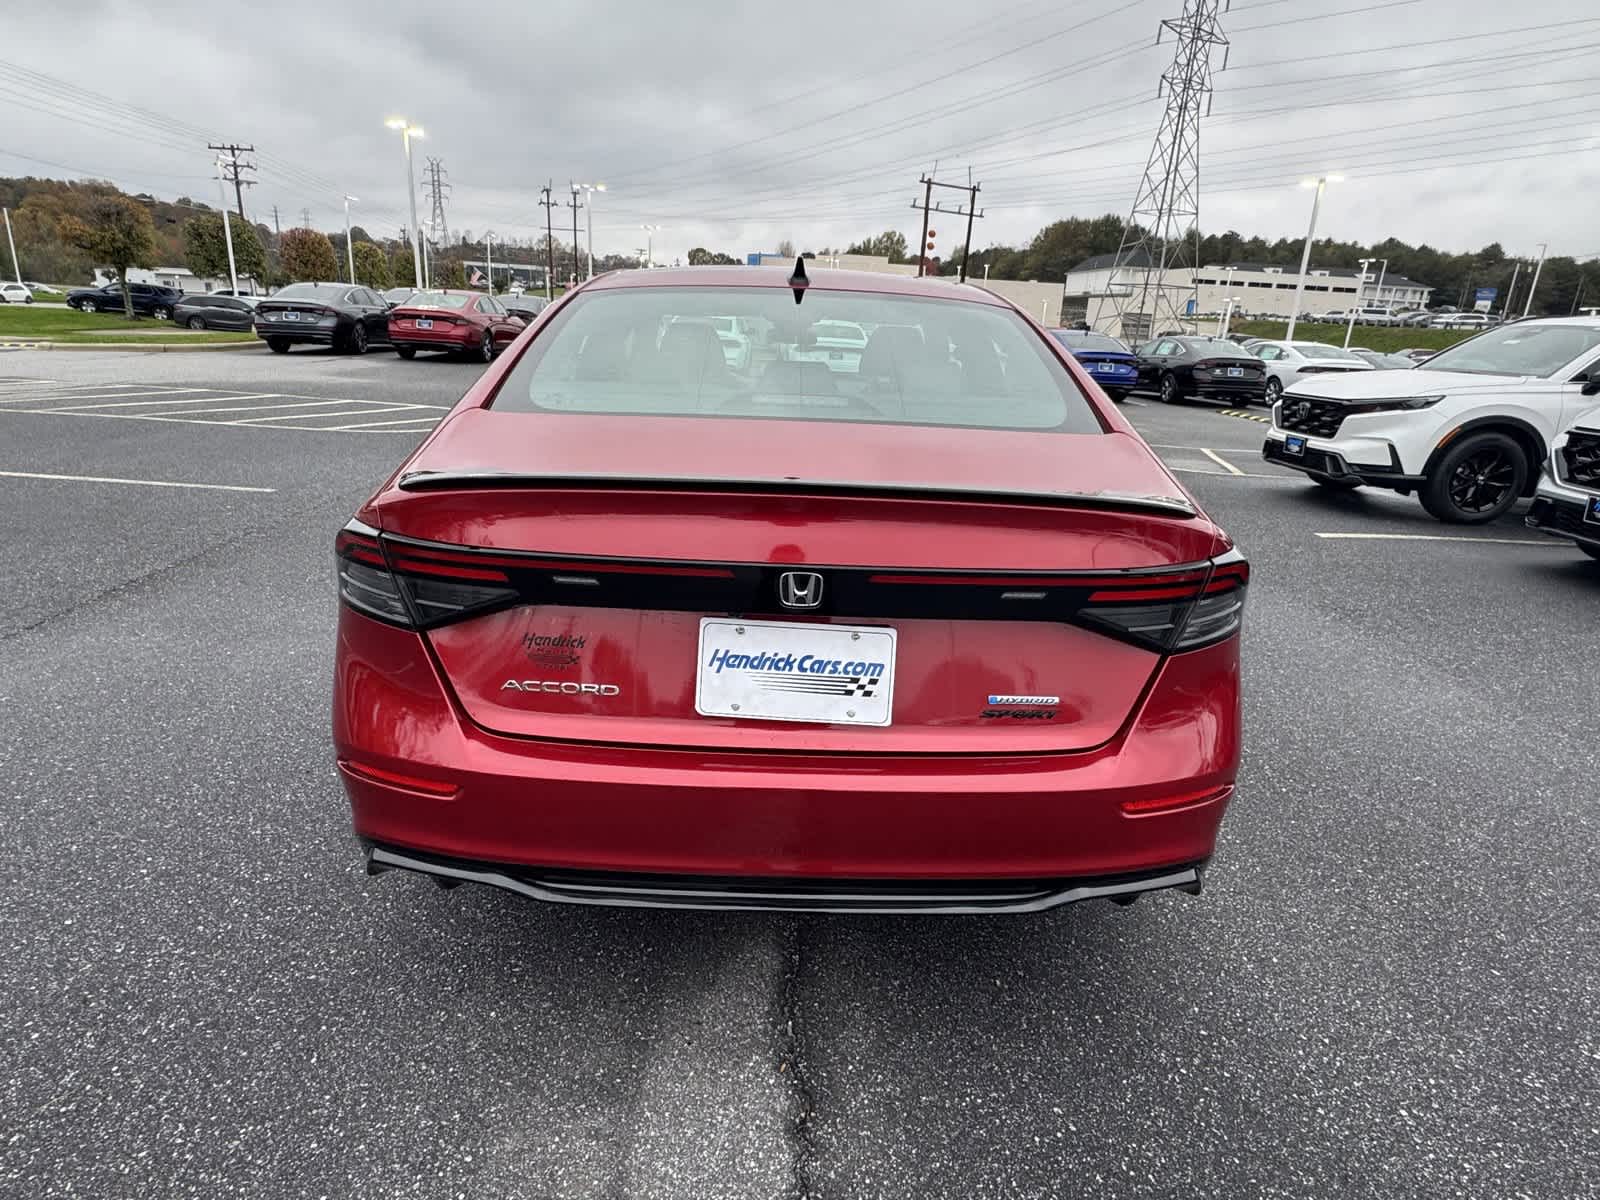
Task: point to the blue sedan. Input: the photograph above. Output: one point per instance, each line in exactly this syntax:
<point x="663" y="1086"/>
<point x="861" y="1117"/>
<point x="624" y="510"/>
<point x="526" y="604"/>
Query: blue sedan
<point x="1114" y="366"/>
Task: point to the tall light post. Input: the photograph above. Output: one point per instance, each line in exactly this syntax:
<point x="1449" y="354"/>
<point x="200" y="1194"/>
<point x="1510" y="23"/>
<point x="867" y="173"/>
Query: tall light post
<point x="1305" y="255"/>
<point x="1532" y="287"/>
<point x="227" y="230"/>
<point x="650" y="232"/>
<point x="407" y="132"/>
<point x="10" y="241"/>
<point x="588" y="219"/>
<point x="488" y="249"/>
<point x="1383" y="272"/>
<point x="1361" y="282"/>
<point x="349" y="246"/>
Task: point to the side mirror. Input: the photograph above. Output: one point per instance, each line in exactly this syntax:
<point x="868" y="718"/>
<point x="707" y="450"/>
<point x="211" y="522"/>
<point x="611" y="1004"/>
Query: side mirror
<point x="1591" y="383"/>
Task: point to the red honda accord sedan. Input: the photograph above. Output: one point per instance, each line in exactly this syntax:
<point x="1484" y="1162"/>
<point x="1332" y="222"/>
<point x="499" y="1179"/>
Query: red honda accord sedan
<point x="456" y="322"/>
<point x="919" y="626"/>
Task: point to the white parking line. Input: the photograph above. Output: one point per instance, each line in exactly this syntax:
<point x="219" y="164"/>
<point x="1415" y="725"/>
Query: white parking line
<point x="1234" y="475"/>
<point x="201" y="412"/>
<point x="1220" y="461"/>
<point x="47" y="399"/>
<point x="1439" y="537"/>
<point x="375" y="424"/>
<point x="166" y="483"/>
<point x="164" y="402"/>
<point x="310" y="416"/>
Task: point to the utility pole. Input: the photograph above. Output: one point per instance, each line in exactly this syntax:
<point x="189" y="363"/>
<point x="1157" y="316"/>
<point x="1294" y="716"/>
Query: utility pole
<point x="969" y="210"/>
<point x="1505" y="312"/>
<point x="1532" y="287"/>
<point x="227" y="229"/>
<point x="277" y="228"/>
<point x="12" y="242"/>
<point x="574" y="204"/>
<point x="1166" y="208"/>
<point x="234" y="171"/>
<point x="549" y="244"/>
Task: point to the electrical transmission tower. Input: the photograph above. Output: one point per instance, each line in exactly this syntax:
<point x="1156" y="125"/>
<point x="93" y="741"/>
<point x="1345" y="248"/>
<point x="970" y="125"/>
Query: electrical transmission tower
<point x="1162" y="235"/>
<point x="435" y="176"/>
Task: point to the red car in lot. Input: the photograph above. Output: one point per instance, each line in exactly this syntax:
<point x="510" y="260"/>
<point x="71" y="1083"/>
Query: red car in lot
<point x="939" y="633"/>
<point x="468" y="323"/>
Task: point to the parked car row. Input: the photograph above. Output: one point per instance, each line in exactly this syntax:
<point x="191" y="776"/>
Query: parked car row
<point x="354" y="319"/>
<point x="1467" y="431"/>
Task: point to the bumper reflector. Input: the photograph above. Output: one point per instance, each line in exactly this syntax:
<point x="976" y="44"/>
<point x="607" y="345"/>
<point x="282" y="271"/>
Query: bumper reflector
<point x="1161" y="804"/>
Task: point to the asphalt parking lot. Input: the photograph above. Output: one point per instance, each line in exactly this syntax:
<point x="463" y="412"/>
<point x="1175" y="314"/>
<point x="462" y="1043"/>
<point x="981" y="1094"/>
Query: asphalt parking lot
<point x="1387" y="989"/>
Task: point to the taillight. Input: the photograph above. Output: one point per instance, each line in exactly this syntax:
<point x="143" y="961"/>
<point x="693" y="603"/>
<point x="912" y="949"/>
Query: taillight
<point x="415" y="587"/>
<point x="1181" y="611"/>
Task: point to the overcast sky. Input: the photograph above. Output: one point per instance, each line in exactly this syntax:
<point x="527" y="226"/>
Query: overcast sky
<point x="734" y="125"/>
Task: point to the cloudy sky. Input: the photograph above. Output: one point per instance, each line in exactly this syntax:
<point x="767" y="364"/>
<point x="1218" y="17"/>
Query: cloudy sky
<point x="734" y="125"/>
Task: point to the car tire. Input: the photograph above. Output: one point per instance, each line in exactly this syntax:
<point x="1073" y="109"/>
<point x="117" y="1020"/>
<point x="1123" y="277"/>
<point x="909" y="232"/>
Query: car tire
<point x="89" y="306"/>
<point x="1171" y="393"/>
<point x="406" y="352"/>
<point x="1476" y="480"/>
<point x="278" y="345"/>
<point x="485" y="347"/>
<point x="196" y="322"/>
<point x="161" y="313"/>
<point x="356" y="342"/>
<point x="1274" y="390"/>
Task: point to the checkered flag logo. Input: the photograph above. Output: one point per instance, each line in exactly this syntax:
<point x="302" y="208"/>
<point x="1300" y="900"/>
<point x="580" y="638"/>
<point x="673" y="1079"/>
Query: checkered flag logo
<point x="862" y="686"/>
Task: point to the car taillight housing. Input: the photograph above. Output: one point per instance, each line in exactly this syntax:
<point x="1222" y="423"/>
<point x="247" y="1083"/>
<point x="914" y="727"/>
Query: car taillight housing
<point x="414" y="587"/>
<point x="1172" y="613"/>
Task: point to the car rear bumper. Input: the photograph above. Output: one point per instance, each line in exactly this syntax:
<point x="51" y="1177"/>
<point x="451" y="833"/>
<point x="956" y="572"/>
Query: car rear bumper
<point x="1229" y="391"/>
<point x="320" y="337"/>
<point x="1560" y="511"/>
<point x="428" y="786"/>
<point x="450" y="338"/>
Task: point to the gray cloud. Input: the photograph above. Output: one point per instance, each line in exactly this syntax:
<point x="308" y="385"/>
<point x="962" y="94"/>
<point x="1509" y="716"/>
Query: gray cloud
<point x="737" y="125"/>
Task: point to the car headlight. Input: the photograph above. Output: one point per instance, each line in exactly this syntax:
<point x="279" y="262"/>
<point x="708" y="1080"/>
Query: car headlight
<point x="1397" y="404"/>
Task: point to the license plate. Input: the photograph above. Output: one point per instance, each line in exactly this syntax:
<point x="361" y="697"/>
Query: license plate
<point x="1591" y="511"/>
<point x="424" y="323"/>
<point x="291" y="316"/>
<point x="1294" y="445"/>
<point x="778" y="671"/>
<point x="1235" y="372"/>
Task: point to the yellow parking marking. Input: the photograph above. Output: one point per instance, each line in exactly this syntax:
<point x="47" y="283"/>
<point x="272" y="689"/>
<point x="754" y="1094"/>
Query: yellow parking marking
<point x="166" y="483"/>
<point x="1439" y="537"/>
<point x="1220" y="461"/>
<point x="1248" y="416"/>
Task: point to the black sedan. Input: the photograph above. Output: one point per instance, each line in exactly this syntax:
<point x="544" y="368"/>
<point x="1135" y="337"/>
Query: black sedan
<point x="1177" y="366"/>
<point x="216" y="312"/>
<point x="323" y="314"/>
<point x="527" y="305"/>
<point x="148" y="299"/>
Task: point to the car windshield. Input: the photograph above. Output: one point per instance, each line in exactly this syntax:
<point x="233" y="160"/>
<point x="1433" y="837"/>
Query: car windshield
<point x="1322" y="350"/>
<point x="927" y="362"/>
<point x="312" y="291"/>
<point x="1076" y="339"/>
<point x="437" y="300"/>
<point x="1538" y="350"/>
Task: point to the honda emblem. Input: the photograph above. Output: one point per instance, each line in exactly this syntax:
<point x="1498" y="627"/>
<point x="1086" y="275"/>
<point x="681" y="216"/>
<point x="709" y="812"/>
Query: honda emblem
<point x="800" y="589"/>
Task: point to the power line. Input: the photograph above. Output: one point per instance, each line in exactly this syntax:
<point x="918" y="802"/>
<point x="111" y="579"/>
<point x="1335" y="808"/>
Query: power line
<point x="233" y="170"/>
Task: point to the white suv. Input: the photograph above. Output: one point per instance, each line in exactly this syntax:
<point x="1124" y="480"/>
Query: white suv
<point x="1466" y="430"/>
<point x="1567" y="503"/>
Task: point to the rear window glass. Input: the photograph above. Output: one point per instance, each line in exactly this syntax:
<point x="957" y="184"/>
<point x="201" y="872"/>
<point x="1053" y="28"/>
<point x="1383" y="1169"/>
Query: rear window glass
<point x="836" y="356"/>
<point x="312" y="291"/>
<point x="1211" y="346"/>
<point x="437" y="300"/>
<point x="1077" y="340"/>
<point x="1320" y="350"/>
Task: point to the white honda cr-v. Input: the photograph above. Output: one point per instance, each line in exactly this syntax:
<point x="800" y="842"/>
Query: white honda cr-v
<point x="1567" y="503"/>
<point x="1467" y="430"/>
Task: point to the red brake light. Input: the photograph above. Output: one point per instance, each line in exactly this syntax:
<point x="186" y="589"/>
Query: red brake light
<point x="412" y="586"/>
<point x="1183" y="611"/>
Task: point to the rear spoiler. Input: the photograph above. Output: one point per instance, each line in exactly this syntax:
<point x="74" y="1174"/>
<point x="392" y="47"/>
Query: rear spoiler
<point x="1170" y="506"/>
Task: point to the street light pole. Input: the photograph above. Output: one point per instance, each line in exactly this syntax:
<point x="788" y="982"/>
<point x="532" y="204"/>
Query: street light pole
<point x="10" y="241"/>
<point x="1361" y="282"/>
<point x="488" y="249"/>
<point x="227" y="231"/>
<point x="1305" y="255"/>
<point x="1532" y="287"/>
<point x="588" y="219"/>
<point x="1377" y="298"/>
<point x="407" y="132"/>
<point x="349" y="246"/>
<point x="649" y="244"/>
<point x="1511" y="291"/>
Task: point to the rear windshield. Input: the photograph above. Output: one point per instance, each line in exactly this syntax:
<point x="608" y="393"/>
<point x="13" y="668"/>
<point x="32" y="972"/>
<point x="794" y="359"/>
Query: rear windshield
<point x="1320" y="350"/>
<point x="437" y="300"/>
<point x="312" y="291"/>
<point x="1074" y="339"/>
<point x="1211" y="346"/>
<point x="836" y="356"/>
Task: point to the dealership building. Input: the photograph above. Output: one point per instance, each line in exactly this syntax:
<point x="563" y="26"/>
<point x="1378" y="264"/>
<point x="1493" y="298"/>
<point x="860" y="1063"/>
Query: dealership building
<point x="1098" y="289"/>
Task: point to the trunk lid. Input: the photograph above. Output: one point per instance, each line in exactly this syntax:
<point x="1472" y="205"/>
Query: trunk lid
<point x="976" y="552"/>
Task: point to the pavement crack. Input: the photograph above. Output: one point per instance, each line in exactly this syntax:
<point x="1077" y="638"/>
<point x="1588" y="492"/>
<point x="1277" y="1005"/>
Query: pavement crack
<point x="792" y="1062"/>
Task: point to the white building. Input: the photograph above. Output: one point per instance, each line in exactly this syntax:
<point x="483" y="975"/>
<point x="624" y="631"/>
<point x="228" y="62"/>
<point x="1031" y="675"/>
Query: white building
<point x="181" y="278"/>
<point x="1098" y="289"/>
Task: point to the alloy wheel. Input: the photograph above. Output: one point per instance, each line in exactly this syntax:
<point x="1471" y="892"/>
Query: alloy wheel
<point x="197" y="322"/>
<point x="1481" y="480"/>
<point x="358" y="339"/>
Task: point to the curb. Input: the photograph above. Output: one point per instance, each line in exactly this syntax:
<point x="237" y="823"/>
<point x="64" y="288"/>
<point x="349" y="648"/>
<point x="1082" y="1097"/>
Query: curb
<point x="133" y="346"/>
